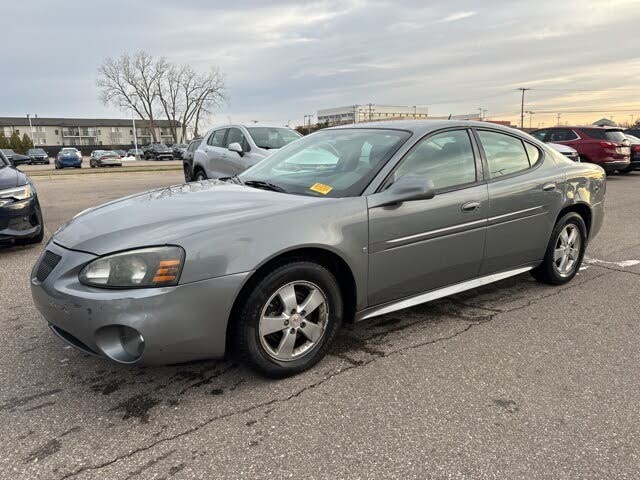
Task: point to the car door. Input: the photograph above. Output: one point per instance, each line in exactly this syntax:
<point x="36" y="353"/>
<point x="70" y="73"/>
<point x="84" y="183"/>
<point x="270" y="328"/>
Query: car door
<point x="213" y="149"/>
<point x="525" y="197"/>
<point x="236" y="163"/>
<point x="422" y="245"/>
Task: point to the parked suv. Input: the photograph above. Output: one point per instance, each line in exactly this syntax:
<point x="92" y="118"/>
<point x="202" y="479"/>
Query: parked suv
<point x="187" y="159"/>
<point x="604" y="146"/>
<point x="38" y="155"/>
<point x="229" y="150"/>
<point x="158" y="151"/>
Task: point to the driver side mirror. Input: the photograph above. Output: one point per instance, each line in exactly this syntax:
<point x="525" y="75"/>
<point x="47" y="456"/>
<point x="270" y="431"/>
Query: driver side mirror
<point x="405" y="189"/>
<point x="236" y="147"/>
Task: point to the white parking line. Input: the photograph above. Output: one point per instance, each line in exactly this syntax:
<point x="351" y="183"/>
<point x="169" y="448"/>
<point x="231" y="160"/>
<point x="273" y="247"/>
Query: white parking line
<point x="621" y="264"/>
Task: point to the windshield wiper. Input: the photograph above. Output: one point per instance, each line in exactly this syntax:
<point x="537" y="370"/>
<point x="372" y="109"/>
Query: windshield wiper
<point x="234" y="179"/>
<point x="264" y="186"/>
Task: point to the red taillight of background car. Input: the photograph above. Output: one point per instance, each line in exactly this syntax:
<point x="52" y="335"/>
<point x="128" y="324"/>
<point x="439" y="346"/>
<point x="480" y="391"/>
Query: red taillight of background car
<point x="608" y="145"/>
<point x="636" y="148"/>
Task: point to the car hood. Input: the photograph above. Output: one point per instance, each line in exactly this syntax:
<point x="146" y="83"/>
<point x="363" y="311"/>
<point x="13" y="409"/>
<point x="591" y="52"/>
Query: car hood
<point x="10" y="177"/>
<point x="166" y="215"/>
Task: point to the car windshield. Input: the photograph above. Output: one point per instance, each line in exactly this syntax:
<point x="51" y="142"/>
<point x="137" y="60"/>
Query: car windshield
<point x="36" y="151"/>
<point x="108" y="154"/>
<point x="272" y="137"/>
<point x="330" y="163"/>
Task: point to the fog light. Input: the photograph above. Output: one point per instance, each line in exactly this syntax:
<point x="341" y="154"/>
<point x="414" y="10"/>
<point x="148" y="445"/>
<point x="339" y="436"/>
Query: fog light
<point x="120" y="343"/>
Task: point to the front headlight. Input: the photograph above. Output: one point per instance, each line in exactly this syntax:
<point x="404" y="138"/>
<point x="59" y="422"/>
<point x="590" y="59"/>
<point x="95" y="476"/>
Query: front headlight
<point x="18" y="193"/>
<point x="146" y="267"/>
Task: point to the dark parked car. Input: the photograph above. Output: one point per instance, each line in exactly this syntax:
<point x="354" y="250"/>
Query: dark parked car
<point x="122" y="153"/>
<point x="158" y="151"/>
<point x="187" y="159"/>
<point x="132" y="152"/>
<point x="342" y="225"/>
<point x="633" y="131"/>
<point x="104" y="158"/>
<point x="20" y="214"/>
<point x="67" y="158"/>
<point x="178" y="149"/>
<point x="38" y="155"/>
<point x="604" y="146"/>
<point x="635" y="150"/>
<point x="16" y="158"/>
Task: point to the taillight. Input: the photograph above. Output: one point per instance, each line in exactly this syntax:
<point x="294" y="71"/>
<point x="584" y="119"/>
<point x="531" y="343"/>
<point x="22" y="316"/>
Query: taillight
<point x="608" y="145"/>
<point x="636" y="148"/>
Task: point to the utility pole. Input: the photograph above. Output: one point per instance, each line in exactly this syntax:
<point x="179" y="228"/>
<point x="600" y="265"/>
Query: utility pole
<point x="559" y="115"/>
<point x="530" y="116"/>
<point x="522" y="89"/>
<point x="305" y="121"/>
<point x="355" y="113"/>
<point x="371" y="110"/>
<point x="480" y="110"/>
<point x="135" y="134"/>
<point x="414" y="112"/>
<point x="31" y="129"/>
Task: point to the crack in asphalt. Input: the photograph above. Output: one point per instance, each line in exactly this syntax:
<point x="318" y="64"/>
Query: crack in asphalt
<point x="353" y="364"/>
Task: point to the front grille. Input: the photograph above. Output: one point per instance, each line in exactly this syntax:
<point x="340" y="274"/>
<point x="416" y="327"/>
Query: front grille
<point x="47" y="264"/>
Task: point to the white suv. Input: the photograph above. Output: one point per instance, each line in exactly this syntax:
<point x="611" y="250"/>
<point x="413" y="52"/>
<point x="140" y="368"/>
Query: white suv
<point x="231" y="149"/>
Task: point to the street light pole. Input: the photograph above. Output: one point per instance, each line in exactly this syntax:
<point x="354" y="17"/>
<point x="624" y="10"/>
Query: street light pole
<point x="31" y="129"/>
<point x="135" y="134"/>
<point x="522" y="89"/>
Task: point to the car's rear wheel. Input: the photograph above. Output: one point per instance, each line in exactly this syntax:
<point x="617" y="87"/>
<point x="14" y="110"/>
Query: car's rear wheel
<point x="565" y="251"/>
<point x="287" y="321"/>
<point x="624" y="171"/>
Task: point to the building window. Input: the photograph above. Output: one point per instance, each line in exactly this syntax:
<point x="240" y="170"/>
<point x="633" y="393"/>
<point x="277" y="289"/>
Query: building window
<point x="100" y="133"/>
<point x="57" y="133"/>
<point x="43" y="130"/>
<point x="17" y="131"/>
<point x="130" y="132"/>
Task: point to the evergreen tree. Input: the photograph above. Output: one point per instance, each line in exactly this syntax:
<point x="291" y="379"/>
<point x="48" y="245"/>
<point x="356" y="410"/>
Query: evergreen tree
<point x="27" y="143"/>
<point x="4" y="141"/>
<point x="15" y="143"/>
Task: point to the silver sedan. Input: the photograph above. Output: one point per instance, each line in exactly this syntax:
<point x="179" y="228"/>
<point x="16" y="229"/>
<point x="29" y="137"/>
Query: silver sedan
<point x="339" y="226"/>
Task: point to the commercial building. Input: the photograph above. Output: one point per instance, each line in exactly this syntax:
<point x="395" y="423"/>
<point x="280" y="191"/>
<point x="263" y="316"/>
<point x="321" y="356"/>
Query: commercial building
<point x="373" y="112"/>
<point x="76" y="132"/>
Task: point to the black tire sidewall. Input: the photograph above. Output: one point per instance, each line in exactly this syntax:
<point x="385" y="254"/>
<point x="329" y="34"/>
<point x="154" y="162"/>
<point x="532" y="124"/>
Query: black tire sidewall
<point x="547" y="268"/>
<point x="247" y="333"/>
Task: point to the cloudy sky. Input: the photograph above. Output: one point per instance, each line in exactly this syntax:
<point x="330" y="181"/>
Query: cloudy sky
<point x="285" y="59"/>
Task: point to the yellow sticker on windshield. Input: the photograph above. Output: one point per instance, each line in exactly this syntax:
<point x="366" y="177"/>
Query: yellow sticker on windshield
<point x="321" y="188"/>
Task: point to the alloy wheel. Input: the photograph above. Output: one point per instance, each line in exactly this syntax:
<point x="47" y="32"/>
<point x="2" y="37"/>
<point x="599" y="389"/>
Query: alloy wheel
<point x="567" y="250"/>
<point x="293" y="321"/>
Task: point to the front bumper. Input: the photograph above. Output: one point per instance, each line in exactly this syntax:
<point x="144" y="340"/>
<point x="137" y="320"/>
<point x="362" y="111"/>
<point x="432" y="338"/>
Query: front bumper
<point x="20" y="219"/>
<point x="178" y="324"/>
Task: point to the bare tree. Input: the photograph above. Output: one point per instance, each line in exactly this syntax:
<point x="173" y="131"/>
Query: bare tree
<point x="154" y="87"/>
<point x="185" y="95"/>
<point x="132" y="82"/>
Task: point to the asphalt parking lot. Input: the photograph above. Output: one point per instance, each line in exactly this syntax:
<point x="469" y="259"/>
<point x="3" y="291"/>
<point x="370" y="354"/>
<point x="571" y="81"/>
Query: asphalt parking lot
<point x="513" y="380"/>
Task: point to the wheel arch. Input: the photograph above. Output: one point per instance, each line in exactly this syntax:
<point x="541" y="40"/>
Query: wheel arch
<point x="582" y="209"/>
<point x="329" y="259"/>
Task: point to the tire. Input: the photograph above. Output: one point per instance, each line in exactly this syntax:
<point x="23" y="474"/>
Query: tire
<point x="624" y="171"/>
<point x="200" y="176"/>
<point x="550" y="271"/>
<point x="270" y="354"/>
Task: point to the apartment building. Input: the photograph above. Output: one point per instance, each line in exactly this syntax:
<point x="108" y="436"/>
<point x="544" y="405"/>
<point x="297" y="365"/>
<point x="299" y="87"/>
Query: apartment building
<point x="86" y="131"/>
<point x="371" y="112"/>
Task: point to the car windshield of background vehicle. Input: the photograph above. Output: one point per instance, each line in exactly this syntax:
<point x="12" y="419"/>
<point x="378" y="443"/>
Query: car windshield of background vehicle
<point x="331" y="163"/>
<point x="36" y="151"/>
<point x="602" y="134"/>
<point x="268" y="137"/>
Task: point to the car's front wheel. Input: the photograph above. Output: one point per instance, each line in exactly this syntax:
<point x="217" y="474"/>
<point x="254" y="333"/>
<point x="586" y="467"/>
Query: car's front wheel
<point x="565" y="251"/>
<point x="200" y="176"/>
<point x="287" y="321"/>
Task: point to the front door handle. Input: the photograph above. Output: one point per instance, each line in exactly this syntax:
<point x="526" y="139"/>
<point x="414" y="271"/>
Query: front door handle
<point x="549" y="186"/>
<point x="470" y="207"/>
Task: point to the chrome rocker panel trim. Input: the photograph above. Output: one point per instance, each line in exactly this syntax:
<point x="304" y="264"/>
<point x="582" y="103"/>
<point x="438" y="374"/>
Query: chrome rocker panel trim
<point x="439" y="293"/>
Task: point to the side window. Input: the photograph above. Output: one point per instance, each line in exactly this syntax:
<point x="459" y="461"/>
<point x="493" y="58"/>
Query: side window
<point x="235" y="136"/>
<point x="539" y="134"/>
<point x="505" y="154"/>
<point x="562" y="135"/>
<point x="446" y="159"/>
<point x="216" y="139"/>
<point x="533" y="153"/>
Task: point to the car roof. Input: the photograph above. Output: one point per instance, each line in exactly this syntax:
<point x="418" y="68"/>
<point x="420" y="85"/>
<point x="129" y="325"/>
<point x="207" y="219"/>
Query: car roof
<point x="597" y="127"/>
<point x="422" y="126"/>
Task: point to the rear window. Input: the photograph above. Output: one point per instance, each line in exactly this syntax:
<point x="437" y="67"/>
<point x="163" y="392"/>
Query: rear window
<point x="602" y="134"/>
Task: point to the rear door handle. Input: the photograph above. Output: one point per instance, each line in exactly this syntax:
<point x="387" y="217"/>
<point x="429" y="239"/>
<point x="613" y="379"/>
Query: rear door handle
<point x="470" y="207"/>
<point x="549" y="186"/>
